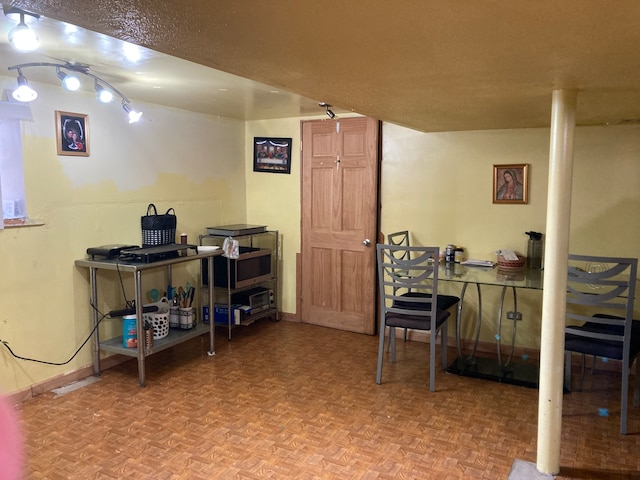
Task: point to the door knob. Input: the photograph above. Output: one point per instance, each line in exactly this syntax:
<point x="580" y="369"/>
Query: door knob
<point x="366" y="242"/>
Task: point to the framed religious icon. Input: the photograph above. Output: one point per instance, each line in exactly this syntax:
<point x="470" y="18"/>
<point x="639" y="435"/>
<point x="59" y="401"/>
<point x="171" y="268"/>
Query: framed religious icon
<point x="72" y="133"/>
<point x="510" y="183"/>
<point x="272" y="155"/>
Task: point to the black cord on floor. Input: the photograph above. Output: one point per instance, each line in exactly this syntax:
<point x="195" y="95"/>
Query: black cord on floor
<point x="56" y="363"/>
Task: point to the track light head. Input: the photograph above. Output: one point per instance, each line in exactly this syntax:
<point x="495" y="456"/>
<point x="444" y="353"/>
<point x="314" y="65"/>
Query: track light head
<point x="133" y="115"/>
<point x="328" y="111"/>
<point x="24" y="93"/>
<point x="104" y="95"/>
<point x="69" y="81"/>
<point x="22" y="37"/>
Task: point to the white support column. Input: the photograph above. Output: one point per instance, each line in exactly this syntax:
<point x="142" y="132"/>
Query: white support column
<point x="555" y="280"/>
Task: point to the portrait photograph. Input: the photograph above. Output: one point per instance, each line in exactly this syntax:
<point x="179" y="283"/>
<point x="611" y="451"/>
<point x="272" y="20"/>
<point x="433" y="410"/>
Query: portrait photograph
<point x="510" y="183"/>
<point x="272" y="155"/>
<point x="72" y="133"/>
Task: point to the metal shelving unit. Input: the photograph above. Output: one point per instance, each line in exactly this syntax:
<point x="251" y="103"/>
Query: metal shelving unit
<point x="265" y="239"/>
<point x="175" y="337"/>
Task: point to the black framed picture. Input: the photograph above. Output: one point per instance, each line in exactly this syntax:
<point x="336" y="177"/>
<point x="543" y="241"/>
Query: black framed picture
<point x="272" y="155"/>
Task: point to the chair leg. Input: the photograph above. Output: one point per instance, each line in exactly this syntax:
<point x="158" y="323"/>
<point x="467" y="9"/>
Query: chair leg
<point x="582" y="370"/>
<point x="624" y="404"/>
<point x="383" y="329"/>
<point x="389" y="344"/>
<point x="392" y="340"/>
<point x="444" y="338"/>
<point x="432" y="359"/>
<point x="636" y="390"/>
<point x="567" y="371"/>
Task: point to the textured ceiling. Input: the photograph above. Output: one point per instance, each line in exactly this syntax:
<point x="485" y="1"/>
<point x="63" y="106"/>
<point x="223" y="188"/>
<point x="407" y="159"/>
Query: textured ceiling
<point x="432" y="65"/>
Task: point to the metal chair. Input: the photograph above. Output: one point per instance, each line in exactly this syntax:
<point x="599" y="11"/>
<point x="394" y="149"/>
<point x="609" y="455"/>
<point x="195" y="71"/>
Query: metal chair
<point x="401" y="270"/>
<point x="600" y="296"/>
<point x="401" y="238"/>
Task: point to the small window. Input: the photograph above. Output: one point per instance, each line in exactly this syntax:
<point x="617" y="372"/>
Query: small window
<point x="11" y="171"/>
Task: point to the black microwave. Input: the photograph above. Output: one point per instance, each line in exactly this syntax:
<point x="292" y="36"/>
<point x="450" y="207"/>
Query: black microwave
<point x="252" y="266"/>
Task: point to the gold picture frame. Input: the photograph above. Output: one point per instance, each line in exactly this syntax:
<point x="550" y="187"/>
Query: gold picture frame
<point x="72" y="133"/>
<point x="511" y="183"/>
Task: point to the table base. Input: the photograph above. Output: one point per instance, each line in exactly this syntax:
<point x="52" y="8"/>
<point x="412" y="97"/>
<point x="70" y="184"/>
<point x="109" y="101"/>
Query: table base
<point x="489" y="369"/>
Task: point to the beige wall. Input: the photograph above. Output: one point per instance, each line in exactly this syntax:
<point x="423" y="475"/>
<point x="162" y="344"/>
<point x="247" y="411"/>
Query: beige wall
<point x="273" y="199"/>
<point x="172" y="158"/>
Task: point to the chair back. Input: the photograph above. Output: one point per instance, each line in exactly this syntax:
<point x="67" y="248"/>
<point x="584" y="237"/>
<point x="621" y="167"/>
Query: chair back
<point x="600" y="296"/>
<point x="403" y="269"/>
<point x="402" y="239"/>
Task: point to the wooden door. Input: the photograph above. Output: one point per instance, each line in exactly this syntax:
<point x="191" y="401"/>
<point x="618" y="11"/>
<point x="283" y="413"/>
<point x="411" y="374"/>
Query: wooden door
<point x="339" y="214"/>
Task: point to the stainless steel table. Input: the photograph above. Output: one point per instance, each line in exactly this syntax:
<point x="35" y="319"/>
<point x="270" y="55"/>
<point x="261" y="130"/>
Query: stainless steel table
<point x="502" y="369"/>
<point x="175" y="337"/>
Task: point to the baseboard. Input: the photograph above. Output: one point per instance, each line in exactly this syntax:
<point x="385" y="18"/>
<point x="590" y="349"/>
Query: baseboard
<point x="64" y="379"/>
<point x="289" y="317"/>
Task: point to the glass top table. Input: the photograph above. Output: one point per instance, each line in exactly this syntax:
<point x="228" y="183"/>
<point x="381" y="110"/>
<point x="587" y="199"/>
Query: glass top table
<point x="502" y="369"/>
<point x="517" y="278"/>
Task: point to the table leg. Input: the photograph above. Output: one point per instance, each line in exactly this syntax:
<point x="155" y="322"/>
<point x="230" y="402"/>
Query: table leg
<point x="514" y="315"/>
<point x="459" y="321"/>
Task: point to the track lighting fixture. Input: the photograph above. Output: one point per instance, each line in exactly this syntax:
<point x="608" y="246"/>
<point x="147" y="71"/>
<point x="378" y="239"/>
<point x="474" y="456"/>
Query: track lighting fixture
<point x="328" y="111"/>
<point x="68" y="74"/>
<point x="22" y="37"/>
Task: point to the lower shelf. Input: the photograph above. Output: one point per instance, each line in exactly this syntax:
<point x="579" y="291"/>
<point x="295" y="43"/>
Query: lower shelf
<point x="490" y="369"/>
<point x="175" y="337"/>
<point x="249" y="319"/>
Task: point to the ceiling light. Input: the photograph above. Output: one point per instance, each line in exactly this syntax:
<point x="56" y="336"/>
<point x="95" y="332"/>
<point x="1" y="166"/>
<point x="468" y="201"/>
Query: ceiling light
<point x="69" y="82"/>
<point x="21" y="37"/>
<point x="104" y="95"/>
<point x="328" y="111"/>
<point x="133" y="115"/>
<point x="23" y="93"/>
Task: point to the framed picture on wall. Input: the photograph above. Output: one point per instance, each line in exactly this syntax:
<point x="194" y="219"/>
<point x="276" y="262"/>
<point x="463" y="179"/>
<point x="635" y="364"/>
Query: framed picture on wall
<point x="510" y="183"/>
<point x="72" y="133"/>
<point x="272" y="155"/>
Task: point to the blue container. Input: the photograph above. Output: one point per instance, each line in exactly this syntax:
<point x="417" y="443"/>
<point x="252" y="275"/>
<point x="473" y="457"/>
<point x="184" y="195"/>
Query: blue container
<point x="129" y="332"/>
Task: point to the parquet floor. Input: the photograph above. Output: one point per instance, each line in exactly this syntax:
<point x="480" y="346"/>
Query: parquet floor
<point x="294" y="401"/>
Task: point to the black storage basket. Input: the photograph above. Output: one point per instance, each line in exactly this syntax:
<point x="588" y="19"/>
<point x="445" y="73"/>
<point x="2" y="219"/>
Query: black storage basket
<point x="158" y="229"/>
